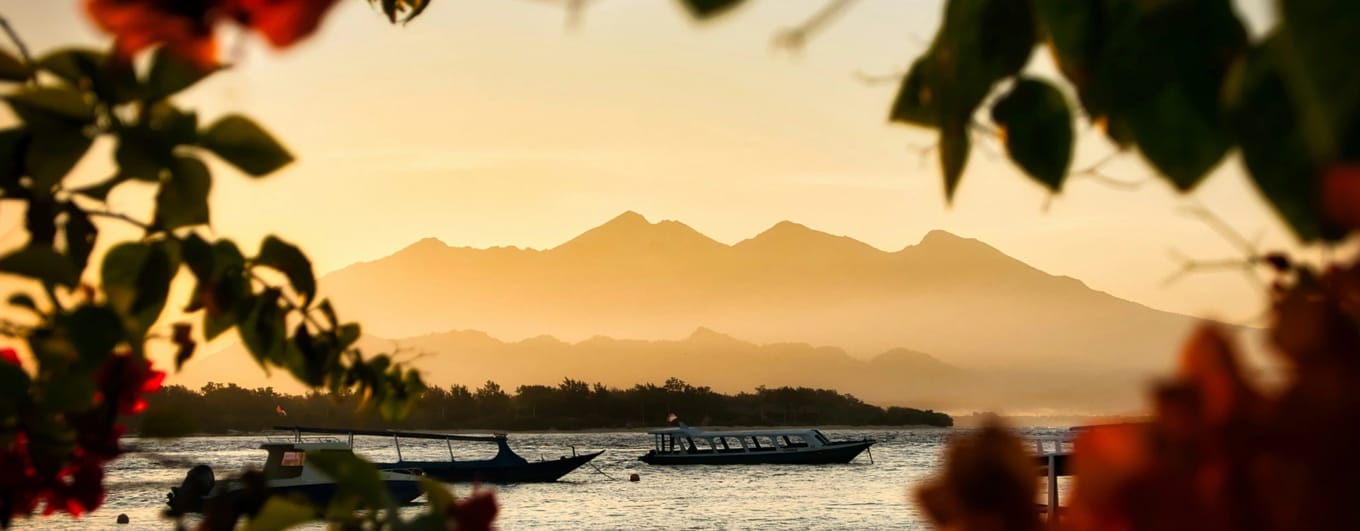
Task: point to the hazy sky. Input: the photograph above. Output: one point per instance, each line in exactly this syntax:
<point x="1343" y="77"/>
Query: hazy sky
<point x="490" y="122"/>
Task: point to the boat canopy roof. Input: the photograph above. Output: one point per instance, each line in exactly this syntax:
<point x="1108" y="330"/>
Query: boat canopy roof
<point x="305" y="446"/>
<point x="696" y="432"/>
<point x="389" y="433"/>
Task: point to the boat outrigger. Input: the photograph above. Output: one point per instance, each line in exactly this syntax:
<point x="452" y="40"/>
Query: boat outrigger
<point x="692" y="446"/>
<point x="505" y="467"/>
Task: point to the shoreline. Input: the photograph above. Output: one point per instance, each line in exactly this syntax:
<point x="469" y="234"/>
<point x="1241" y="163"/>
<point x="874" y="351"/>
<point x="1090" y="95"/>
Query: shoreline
<point x="641" y="430"/>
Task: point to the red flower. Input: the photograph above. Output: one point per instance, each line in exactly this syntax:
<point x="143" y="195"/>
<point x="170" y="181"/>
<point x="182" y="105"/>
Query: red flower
<point x="185" y="27"/>
<point x="124" y="379"/>
<point x="475" y="512"/>
<point x="10" y="356"/>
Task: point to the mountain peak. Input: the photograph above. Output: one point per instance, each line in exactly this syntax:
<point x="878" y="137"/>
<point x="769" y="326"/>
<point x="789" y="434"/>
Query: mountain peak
<point x="631" y="232"/>
<point x="786" y="238"/>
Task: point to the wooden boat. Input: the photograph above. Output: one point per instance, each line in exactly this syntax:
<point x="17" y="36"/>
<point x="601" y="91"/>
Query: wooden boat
<point x="505" y="467"/>
<point x="800" y="446"/>
<point x="286" y="472"/>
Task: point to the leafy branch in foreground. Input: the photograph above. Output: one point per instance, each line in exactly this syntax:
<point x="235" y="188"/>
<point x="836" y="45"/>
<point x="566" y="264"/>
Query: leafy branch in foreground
<point x="83" y="362"/>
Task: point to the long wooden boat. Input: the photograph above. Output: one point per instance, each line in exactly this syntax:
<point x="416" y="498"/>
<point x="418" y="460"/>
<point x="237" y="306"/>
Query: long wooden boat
<point x="691" y="446"/>
<point x="505" y="467"/>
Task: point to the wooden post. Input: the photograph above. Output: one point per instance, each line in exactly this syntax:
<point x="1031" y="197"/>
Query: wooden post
<point x="1053" y="490"/>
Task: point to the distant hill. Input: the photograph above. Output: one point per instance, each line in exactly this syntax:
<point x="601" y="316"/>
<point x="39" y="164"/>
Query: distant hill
<point x="896" y="377"/>
<point x="953" y="297"/>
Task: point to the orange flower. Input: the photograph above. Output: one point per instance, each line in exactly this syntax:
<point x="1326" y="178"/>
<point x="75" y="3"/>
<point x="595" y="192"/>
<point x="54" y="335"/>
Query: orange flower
<point x="185" y="27"/>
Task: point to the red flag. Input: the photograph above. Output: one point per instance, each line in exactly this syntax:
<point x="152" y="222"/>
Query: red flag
<point x="279" y="409"/>
<point x="671" y="417"/>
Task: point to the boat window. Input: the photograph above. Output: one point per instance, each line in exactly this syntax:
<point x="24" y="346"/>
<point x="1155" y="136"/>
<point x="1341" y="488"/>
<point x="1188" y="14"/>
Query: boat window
<point x="797" y="441"/>
<point x="293" y="458"/>
<point x="821" y="438"/>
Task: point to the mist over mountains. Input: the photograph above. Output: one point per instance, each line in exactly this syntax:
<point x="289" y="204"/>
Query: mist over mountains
<point x="956" y="298"/>
<point x="949" y="322"/>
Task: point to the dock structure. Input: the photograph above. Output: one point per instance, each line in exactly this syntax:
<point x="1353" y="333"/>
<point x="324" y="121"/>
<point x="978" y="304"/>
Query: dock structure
<point x="1054" y="455"/>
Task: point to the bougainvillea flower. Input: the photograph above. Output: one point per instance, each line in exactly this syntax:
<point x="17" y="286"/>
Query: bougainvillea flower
<point x="10" y="356"/>
<point x="475" y="512"/>
<point x="124" y="379"/>
<point x="185" y="27"/>
<point x="1341" y="195"/>
<point x="988" y="483"/>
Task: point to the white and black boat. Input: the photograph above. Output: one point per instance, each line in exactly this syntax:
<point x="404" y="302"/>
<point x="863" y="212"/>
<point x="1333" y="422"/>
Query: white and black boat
<point x="798" y="446"/>
<point x="287" y="473"/>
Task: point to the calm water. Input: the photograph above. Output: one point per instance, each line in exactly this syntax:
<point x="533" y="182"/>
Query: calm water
<point x="859" y="495"/>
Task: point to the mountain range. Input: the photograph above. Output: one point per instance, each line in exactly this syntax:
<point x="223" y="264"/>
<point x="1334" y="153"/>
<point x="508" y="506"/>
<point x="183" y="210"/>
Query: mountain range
<point x="949" y="322"/>
<point x="953" y="297"/>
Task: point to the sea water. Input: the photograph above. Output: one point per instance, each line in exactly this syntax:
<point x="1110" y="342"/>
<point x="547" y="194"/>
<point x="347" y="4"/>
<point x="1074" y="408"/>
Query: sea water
<point x="872" y="492"/>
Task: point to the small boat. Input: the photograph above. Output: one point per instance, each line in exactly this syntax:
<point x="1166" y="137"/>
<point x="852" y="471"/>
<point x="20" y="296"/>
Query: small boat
<point x="505" y="467"/>
<point x="804" y="446"/>
<point x="286" y="472"/>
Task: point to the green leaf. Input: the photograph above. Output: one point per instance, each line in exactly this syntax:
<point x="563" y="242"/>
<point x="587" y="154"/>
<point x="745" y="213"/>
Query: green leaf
<point x="171" y="73"/>
<point x="183" y="199"/>
<point x="263" y="329"/>
<point x="1163" y="68"/>
<point x="437" y="496"/>
<point x="41" y="263"/>
<point x="280" y="513"/>
<point x="136" y="278"/>
<point x="954" y="146"/>
<point x="704" y="9"/>
<point x="80" y="237"/>
<point x="222" y="290"/>
<point x="100" y="191"/>
<point x="289" y="260"/>
<point x="12" y="69"/>
<point x="94" y="331"/>
<point x="1038" y="130"/>
<point x="113" y="81"/>
<point x="13" y="145"/>
<point x="355" y="478"/>
<point x="22" y="300"/>
<point x="1073" y="31"/>
<point x="1316" y="51"/>
<point x="144" y="150"/>
<point x="63" y="103"/>
<point x="241" y="142"/>
<point x="915" y="103"/>
<point x="184" y="342"/>
<point x="1274" y="148"/>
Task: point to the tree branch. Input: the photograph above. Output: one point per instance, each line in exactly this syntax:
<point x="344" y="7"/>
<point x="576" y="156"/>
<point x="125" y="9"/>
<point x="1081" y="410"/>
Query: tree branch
<point x="794" y="39"/>
<point x="23" y="48"/>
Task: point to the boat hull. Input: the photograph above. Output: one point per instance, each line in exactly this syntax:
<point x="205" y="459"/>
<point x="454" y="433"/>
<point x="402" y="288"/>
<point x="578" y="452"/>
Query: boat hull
<point x="402" y="491"/>
<point x="495" y="472"/>
<point x="842" y="452"/>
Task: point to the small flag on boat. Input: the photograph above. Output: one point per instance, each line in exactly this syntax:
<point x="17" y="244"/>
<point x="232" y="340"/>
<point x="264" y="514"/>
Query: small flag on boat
<point x="671" y="417"/>
<point x="279" y="409"/>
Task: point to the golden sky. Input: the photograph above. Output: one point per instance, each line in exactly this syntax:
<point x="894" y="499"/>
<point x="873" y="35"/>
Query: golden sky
<point x="491" y="122"/>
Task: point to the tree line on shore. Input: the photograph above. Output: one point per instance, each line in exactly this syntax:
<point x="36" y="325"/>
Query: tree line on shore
<point x="572" y="404"/>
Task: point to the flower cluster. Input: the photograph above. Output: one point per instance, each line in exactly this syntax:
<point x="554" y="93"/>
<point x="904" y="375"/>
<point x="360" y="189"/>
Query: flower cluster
<point x="186" y="27"/>
<point x="58" y="463"/>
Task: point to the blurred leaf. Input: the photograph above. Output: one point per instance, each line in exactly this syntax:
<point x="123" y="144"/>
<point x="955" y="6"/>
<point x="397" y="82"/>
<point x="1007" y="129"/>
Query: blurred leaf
<point x="389" y="8"/>
<point x="915" y="103"/>
<point x="64" y="103"/>
<point x="94" y="331"/>
<point x="280" y="513"/>
<point x="14" y="384"/>
<point x="42" y="263"/>
<point x="416" y="8"/>
<point x="703" y="9"/>
<point x="979" y="43"/>
<point x="437" y="496"/>
<point x="348" y="334"/>
<point x="244" y="144"/>
<point x="289" y="260"/>
<point x="1163" y="69"/>
<point x="183" y="199"/>
<point x="354" y="477"/>
<point x="140" y="155"/>
<point x="314" y="358"/>
<point x="136" y="278"/>
<point x="1315" y="48"/>
<point x="12" y="69"/>
<point x="56" y="119"/>
<point x="171" y="73"/>
<point x="328" y="312"/>
<point x="954" y="147"/>
<point x="1073" y="31"/>
<point x="22" y="300"/>
<point x="263" y="329"/>
<point x="13" y="144"/>
<point x="80" y="237"/>
<point x="223" y="289"/>
<point x="100" y="191"/>
<point x="1038" y="130"/>
<point x="1274" y="148"/>
<point x="184" y="342"/>
<point x="113" y="81"/>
